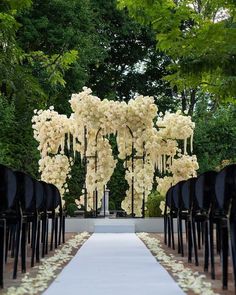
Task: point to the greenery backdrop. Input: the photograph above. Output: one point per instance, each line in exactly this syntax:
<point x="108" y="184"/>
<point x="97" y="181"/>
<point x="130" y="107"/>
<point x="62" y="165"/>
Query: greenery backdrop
<point x="185" y="59"/>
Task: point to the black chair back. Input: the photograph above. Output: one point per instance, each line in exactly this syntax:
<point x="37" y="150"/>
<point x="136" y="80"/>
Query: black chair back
<point x="188" y="193"/>
<point x="39" y="195"/>
<point x="8" y="188"/>
<point x="169" y="198"/>
<point x="177" y="198"/>
<point x="48" y="191"/>
<point x="25" y="191"/>
<point x="225" y="187"/>
<point x="57" y="198"/>
<point x="205" y="189"/>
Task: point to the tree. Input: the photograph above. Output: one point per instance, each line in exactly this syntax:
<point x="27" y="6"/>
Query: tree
<point x="215" y="134"/>
<point x="22" y="89"/>
<point x="132" y="64"/>
<point x="198" y="36"/>
<point x="59" y="27"/>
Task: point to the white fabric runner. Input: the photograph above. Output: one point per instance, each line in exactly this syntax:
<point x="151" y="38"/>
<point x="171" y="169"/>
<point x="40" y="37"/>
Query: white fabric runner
<point x="113" y="264"/>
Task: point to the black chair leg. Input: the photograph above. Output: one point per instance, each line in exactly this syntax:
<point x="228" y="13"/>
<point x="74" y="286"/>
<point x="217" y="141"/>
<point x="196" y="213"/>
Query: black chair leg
<point x="13" y="240"/>
<point x="172" y="232"/>
<point x="52" y="232"/>
<point x="194" y="239"/>
<point x="181" y="236"/>
<point x="63" y="229"/>
<point x="38" y="244"/>
<point x="17" y="247"/>
<point x="29" y="227"/>
<point x="34" y="238"/>
<point x="2" y="250"/>
<point x="233" y="247"/>
<point x="60" y="229"/>
<point x="165" y="229"/>
<point x="169" y="232"/>
<point x="46" y="236"/>
<point x="218" y="240"/>
<point x="224" y="254"/>
<point x="43" y="236"/>
<point x="202" y="226"/>
<point x="211" y="244"/>
<point x="199" y="234"/>
<point x="186" y="231"/>
<point x="23" y="246"/>
<point x="189" y="241"/>
<point x="206" y="247"/>
<point x="178" y="232"/>
<point x="56" y="232"/>
<point x="7" y="244"/>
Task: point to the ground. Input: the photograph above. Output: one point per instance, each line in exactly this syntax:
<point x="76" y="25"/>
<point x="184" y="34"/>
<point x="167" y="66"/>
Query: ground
<point x="215" y="283"/>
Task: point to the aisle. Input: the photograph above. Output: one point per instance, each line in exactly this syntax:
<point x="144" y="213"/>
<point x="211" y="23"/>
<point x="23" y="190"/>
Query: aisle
<point x="113" y="264"/>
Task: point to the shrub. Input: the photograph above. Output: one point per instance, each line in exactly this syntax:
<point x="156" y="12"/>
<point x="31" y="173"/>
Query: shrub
<point x="153" y="203"/>
<point x="71" y="208"/>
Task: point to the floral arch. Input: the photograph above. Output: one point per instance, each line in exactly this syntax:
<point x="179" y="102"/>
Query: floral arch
<point x="146" y="141"/>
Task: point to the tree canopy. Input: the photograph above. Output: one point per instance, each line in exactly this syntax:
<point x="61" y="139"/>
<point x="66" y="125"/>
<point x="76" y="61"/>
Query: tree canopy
<point x="198" y="36"/>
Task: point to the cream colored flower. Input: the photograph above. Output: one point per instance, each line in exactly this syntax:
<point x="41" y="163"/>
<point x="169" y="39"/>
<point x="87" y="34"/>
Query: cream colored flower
<point x="133" y="123"/>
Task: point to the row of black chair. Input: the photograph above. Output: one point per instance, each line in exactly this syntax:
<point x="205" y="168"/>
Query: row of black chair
<point x="207" y="205"/>
<point x="26" y="206"/>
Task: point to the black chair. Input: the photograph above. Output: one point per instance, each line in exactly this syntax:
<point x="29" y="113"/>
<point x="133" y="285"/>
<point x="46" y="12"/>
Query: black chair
<point x="52" y="201"/>
<point x="181" y="214"/>
<point x="27" y="202"/>
<point x="57" y="213"/>
<point x="206" y="201"/>
<point x="225" y="190"/>
<point x="55" y="202"/>
<point x="190" y="205"/>
<point x="169" y="215"/>
<point x="8" y="213"/>
<point x="61" y="216"/>
<point x="48" y="197"/>
<point x="36" y="228"/>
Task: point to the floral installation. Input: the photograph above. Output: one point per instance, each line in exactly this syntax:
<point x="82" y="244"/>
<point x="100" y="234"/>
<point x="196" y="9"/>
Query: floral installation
<point x="144" y="145"/>
<point x="185" y="277"/>
<point x="180" y="169"/>
<point x="48" y="268"/>
<point x="56" y="170"/>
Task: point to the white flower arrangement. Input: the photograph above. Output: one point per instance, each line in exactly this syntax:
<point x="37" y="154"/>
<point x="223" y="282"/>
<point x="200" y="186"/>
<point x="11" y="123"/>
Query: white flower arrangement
<point x="47" y="269"/>
<point x="155" y="147"/>
<point x="56" y="170"/>
<point x="185" y="277"/>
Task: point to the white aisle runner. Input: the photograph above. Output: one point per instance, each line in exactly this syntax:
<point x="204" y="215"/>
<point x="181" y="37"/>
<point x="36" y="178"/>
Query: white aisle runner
<point x="116" y="264"/>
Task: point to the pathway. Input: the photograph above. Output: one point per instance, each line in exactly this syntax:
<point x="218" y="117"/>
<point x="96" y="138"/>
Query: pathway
<point x="113" y="264"/>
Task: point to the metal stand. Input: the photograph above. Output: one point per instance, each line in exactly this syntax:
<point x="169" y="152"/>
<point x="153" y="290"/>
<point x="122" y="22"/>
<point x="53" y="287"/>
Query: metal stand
<point x="85" y="160"/>
<point x="95" y="194"/>
<point x="133" y="158"/>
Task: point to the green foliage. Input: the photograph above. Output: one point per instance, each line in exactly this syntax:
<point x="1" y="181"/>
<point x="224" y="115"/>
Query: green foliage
<point x="117" y="183"/>
<point x="71" y="208"/>
<point x="153" y="203"/>
<point x="199" y="42"/>
<point x="112" y="205"/>
<point x="132" y="64"/>
<point x="215" y="134"/>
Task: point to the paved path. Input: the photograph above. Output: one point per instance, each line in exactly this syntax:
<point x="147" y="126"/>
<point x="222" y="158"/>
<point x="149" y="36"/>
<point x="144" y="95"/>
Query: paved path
<point x="116" y="264"/>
